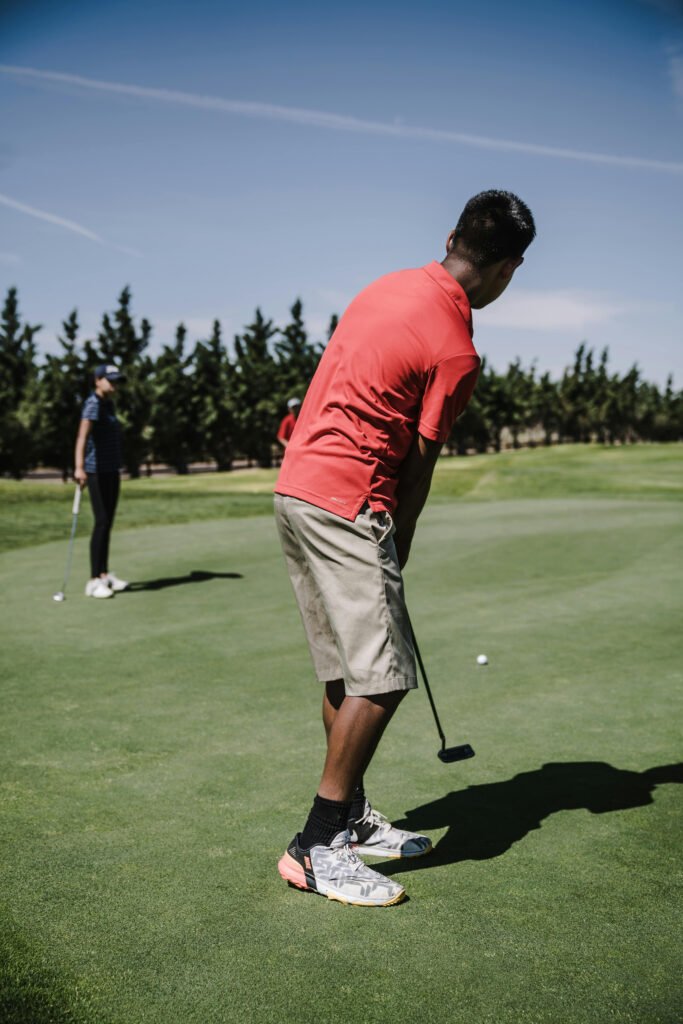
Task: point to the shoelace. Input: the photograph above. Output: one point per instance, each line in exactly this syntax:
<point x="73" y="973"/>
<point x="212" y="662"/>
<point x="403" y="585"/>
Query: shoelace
<point x="351" y="857"/>
<point x="375" y="818"/>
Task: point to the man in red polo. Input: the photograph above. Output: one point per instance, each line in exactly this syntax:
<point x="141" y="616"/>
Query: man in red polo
<point x="287" y="424"/>
<point x="398" y="371"/>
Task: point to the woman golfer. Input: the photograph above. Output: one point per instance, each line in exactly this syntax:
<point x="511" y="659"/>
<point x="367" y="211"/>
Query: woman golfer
<point x="98" y="462"/>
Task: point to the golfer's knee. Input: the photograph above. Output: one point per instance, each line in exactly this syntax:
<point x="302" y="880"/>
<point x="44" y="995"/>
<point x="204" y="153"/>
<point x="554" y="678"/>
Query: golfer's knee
<point x="388" y="701"/>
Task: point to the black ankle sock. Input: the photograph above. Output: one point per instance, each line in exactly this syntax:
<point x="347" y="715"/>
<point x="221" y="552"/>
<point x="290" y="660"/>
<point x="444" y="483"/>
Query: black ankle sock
<point x="357" y="803"/>
<point x="326" y="819"/>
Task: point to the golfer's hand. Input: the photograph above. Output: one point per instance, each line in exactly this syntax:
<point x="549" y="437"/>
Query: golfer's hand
<point x="81" y="477"/>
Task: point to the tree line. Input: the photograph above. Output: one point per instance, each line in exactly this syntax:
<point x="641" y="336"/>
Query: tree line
<point x="206" y="403"/>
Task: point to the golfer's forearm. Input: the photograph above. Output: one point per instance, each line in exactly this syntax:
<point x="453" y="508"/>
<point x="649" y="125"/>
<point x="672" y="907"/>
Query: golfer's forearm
<point x="415" y="478"/>
<point x="406" y="516"/>
<point x="79" y="453"/>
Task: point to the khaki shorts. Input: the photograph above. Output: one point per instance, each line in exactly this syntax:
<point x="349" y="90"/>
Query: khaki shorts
<point x="349" y="588"/>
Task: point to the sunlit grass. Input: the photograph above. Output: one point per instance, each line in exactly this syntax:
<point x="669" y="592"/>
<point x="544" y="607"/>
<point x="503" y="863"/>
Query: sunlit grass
<point x="36" y="512"/>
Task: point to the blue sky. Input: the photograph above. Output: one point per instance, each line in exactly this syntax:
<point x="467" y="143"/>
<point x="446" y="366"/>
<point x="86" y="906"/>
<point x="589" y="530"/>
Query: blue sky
<point x="218" y="157"/>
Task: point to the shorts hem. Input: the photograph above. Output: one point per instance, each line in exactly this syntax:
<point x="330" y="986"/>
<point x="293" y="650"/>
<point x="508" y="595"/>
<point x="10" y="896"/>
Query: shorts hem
<point x="374" y="688"/>
<point x="329" y="676"/>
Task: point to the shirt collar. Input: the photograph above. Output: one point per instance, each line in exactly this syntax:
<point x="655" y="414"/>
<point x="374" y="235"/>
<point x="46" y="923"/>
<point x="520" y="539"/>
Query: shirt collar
<point x="452" y="289"/>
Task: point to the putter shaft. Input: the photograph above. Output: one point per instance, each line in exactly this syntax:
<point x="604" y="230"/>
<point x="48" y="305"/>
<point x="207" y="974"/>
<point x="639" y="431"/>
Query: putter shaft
<point x="427" y="688"/>
<point x="446" y="754"/>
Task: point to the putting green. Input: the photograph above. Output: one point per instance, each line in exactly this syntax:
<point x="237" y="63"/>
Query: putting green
<point x="160" y="749"/>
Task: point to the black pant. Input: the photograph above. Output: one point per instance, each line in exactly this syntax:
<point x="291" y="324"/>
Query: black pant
<point x="104" y="494"/>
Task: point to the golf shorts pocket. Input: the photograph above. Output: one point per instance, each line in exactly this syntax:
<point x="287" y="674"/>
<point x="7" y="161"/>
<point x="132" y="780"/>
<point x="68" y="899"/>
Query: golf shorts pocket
<point x="381" y="524"/>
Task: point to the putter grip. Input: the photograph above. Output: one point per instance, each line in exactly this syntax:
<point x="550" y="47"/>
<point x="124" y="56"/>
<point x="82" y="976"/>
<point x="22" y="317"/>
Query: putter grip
<point x="77" y="501"/>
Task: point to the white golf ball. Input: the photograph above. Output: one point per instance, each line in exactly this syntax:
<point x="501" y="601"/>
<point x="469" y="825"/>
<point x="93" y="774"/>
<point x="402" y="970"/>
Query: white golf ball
<point x="482" y="660"/>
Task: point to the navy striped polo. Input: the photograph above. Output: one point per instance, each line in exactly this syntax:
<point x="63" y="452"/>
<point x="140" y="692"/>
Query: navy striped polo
<point x="103" y="449"/>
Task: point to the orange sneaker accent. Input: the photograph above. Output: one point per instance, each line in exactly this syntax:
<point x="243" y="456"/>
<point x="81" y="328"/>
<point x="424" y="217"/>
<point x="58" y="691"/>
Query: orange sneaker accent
<point x="292" y="872"/>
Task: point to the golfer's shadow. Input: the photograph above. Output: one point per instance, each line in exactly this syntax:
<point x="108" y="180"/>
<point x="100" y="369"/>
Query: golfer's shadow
<point x="484" y="821"/>
<point x="196" y="576"/>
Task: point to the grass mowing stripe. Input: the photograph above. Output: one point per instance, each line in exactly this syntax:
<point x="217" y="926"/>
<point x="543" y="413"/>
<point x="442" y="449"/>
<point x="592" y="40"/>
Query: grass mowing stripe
<point x="33" y="513"/>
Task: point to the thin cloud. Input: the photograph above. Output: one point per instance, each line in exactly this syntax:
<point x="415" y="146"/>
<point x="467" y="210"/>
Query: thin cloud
<point x="51" y="218"/>
<point x="10" y="259"/>
<point x="560" y="310"/>
<point x="62" y="222"/>
<point x="676" y="73"/>
<point x="338" y="122"/>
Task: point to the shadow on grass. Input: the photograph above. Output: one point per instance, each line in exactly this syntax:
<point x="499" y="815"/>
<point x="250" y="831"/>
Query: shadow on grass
<point x="33" y="993"/>
<point x="485" y="821"/>
<point x="196" y="576"/>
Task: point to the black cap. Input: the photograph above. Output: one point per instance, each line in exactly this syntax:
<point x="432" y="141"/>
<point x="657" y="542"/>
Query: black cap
<point x="109" y="371"/>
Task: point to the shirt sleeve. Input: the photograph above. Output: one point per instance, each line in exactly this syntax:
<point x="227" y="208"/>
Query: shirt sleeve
<point x="449" y="388"/>
<point x="91" y="408"/>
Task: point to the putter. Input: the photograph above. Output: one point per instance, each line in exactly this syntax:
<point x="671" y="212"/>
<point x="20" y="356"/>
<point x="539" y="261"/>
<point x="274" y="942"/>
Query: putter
<point x="61" y="594"/>
<point x="446" y="754"/>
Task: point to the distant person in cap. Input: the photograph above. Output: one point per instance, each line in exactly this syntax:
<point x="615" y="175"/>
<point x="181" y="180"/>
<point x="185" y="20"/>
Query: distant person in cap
<point x="289" y="422"/>
<point x="98" y="463"/>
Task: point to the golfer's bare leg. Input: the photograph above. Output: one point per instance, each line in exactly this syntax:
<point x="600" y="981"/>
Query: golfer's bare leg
<point x="356" y="728"/>
<point x="333" y="695"/>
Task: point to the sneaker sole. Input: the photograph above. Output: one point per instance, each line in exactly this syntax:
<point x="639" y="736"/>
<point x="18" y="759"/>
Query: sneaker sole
<point x="293" y="873"/>
<point x="378" y="851"/>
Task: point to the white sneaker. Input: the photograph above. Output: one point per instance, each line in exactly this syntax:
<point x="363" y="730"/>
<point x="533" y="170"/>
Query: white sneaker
<point x="98" y="587"/>
<point x="372" y="835"/>
<point x="115" y="583"/>
<point x="336" y="872"/>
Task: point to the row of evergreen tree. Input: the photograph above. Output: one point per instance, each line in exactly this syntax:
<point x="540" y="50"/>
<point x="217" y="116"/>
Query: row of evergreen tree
<point x="209" y="404"/>
<point x="187" y="405"/>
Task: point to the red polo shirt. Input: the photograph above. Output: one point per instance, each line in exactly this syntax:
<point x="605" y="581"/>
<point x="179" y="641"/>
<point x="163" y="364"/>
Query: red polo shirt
<point x="401" y="361"/>
<point x="286" y="427"/>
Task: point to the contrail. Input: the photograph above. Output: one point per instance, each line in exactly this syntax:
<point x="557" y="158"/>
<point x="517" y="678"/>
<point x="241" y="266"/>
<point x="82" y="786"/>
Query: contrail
<point x="62" y="222"/>
<point x="339" y="122"/>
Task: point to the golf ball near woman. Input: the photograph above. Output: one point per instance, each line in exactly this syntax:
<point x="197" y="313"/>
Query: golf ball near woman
<point x="482" y="660"/>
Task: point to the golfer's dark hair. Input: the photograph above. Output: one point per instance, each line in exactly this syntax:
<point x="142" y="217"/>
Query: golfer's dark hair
<point x="493" y="226"/>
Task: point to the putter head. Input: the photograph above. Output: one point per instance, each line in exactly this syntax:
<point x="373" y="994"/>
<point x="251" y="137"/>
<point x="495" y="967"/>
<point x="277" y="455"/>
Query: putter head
<point x="59" y="596"/>
<point x="461" y="753"/>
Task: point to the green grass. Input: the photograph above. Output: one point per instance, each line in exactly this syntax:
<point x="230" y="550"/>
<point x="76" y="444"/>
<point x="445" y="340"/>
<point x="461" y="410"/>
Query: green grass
<point x="158" y="751"/>
<point x="637" y="471"/>
<point x="31" y="512"/>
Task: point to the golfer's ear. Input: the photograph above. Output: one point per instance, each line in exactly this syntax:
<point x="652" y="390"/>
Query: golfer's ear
<point x="450" y="241"/>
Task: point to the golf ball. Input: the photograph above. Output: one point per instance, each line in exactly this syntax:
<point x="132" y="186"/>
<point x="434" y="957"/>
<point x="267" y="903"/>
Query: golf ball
<point x="58" y="597"/>
<point x="482" y="660"/>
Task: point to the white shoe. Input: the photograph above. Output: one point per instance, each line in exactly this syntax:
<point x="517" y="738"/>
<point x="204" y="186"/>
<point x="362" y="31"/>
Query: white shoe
<point x="336" y="872"/>
<point x="98" y="587"/>
<point x="372" y="835"/>
<point x="115" y="583"/>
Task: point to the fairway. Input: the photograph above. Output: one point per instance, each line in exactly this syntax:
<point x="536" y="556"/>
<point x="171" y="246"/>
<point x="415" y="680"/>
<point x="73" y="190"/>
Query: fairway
<point x="159" y="751"/>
